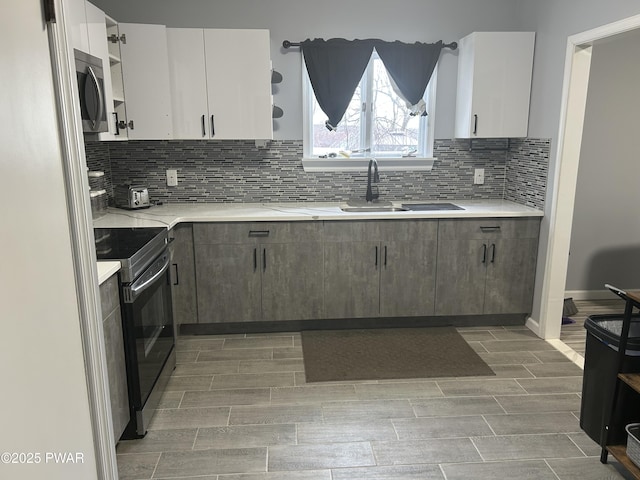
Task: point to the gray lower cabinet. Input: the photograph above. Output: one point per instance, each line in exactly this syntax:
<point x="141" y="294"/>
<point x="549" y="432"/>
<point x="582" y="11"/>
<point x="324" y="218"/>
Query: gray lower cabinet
<point x="114" y="353"/>
<point x="379" y="268"/>
<point x="292" y="281"/>
<point x="486" y="266"/>
<point x="261" y="271"/>
<point x="408" y="275"/>
<point x="351" y="279"/>
<point x="183" y="275"/>
<point x="229" y="284"/>
<point x="272" y="271"/>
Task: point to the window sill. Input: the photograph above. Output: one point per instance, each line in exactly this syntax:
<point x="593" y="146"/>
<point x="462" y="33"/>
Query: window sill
<point x="361" y="164"/>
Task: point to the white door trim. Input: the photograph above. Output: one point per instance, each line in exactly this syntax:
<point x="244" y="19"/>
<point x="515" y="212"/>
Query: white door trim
<point x="82" y="243"/>
<point x="564" y="178"/>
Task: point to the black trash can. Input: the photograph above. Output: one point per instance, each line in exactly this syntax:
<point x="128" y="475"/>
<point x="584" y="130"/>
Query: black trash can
<point x="599" y="378"/>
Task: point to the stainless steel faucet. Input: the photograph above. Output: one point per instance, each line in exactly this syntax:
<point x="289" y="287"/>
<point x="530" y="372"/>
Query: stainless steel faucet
<point x="370" y="196"/>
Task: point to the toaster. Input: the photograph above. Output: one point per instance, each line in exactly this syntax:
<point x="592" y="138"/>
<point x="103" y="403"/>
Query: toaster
<point x="131" y="196"/>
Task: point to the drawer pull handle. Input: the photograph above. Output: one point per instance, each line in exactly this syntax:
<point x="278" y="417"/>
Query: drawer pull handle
<point x="258" y="233"/>
<point x="490" y="229"/>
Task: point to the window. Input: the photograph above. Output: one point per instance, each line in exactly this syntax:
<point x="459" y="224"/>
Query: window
<point x="377" y="123"/>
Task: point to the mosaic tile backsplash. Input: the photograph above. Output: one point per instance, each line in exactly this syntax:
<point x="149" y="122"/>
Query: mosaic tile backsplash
<point x="237" y="171"/>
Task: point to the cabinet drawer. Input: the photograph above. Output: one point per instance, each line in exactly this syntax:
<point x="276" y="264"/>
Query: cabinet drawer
<point x="489" y="228"/>
<point x="345" y="231"/>
<point x="378" y="230"/>
<point x="407" y="230"/>
<point x="256" y="232"/>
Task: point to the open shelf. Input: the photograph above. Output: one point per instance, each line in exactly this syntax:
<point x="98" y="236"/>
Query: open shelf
<point x="631" y="379"/>
<point x="619" y="452"/>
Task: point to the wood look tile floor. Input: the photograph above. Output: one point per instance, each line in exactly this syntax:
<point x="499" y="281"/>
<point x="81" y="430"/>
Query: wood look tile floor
<point x="574" y="334"/>
<point x="238" y="408"/>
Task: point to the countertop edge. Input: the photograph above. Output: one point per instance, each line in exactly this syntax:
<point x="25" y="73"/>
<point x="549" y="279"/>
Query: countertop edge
<point x="106" y="269"/>
<point x="170" y="215"/>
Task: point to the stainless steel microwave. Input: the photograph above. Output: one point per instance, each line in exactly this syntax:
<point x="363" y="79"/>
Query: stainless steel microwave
<point x="90" y="76"/>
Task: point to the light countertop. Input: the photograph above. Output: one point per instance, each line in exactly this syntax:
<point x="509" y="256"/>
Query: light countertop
<point x="106" y="269"/>
<point x="171" y="214"/>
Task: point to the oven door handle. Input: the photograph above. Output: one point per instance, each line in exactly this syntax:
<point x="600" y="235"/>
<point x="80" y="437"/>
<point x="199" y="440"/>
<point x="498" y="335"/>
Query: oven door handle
<point x="136" y="289"/>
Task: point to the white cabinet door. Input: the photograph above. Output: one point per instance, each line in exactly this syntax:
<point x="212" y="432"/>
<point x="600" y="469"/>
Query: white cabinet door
<point x="239" y="83"/>
<point x="98" y="47"/>
<point x="145" y="74"/>
<point x="188" y="83"/>
<point x="494" y="84"/>
<point x="76" y="24"/>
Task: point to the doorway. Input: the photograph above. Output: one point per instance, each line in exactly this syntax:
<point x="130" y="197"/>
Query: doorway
<point x="572" y="119"/>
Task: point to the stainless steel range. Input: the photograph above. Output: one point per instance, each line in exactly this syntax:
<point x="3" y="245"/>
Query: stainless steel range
<point x="147" y="319"/>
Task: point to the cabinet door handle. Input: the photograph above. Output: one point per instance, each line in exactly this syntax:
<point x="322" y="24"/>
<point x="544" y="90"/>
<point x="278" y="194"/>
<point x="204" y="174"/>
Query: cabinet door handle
<point x="493" y="252"/>
<point x="177" y="282"/>
<point x="258" y="233"/>
<point x="255" y="259"/>
<point x="264" y="259"/>
<point x="385" y="255"/>
<point x="484" y="253"/>
<point x="213" y="127"/>
<point x="204" y="128"/>
<point x="376" y="256"/>
<point x="475" y="124"/>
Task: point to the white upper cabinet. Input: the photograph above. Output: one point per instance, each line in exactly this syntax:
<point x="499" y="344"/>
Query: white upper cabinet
<point x="97" y="30"/>
<point x="494" y="84"/>
<point x="76" y="24"/>
<point x="239" y="83"/>
<point x="145" y="74"/>
<point x="221" y="83"/>
<point x="188" y="83"/>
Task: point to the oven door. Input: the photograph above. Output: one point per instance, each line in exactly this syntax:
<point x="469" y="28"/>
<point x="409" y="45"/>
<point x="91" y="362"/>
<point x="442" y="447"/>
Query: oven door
<point x="148" y="332"/>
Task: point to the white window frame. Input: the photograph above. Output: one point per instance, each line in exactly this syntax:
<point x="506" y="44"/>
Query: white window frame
<point x="341" y="164"/>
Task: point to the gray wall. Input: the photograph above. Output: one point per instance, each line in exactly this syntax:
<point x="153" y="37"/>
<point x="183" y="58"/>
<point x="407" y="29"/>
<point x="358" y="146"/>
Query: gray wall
<point x="554" y="21"/>
<point x="605" y="237"/>
<point x="295" y="20"/>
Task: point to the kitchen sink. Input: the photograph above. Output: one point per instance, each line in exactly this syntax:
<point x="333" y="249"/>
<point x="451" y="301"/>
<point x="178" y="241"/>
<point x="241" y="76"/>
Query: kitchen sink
<point x="373" y="208"/>
<point x="425" y="207"/>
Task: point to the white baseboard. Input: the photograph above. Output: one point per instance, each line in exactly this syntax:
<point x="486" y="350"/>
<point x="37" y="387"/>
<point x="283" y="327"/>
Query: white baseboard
<point x="533" y="325"/>
<point x="589" y="294"/>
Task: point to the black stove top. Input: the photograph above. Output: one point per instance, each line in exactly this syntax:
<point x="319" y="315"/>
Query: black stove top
<point x="135" y="248"/>
<point x="122" y="243"/>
